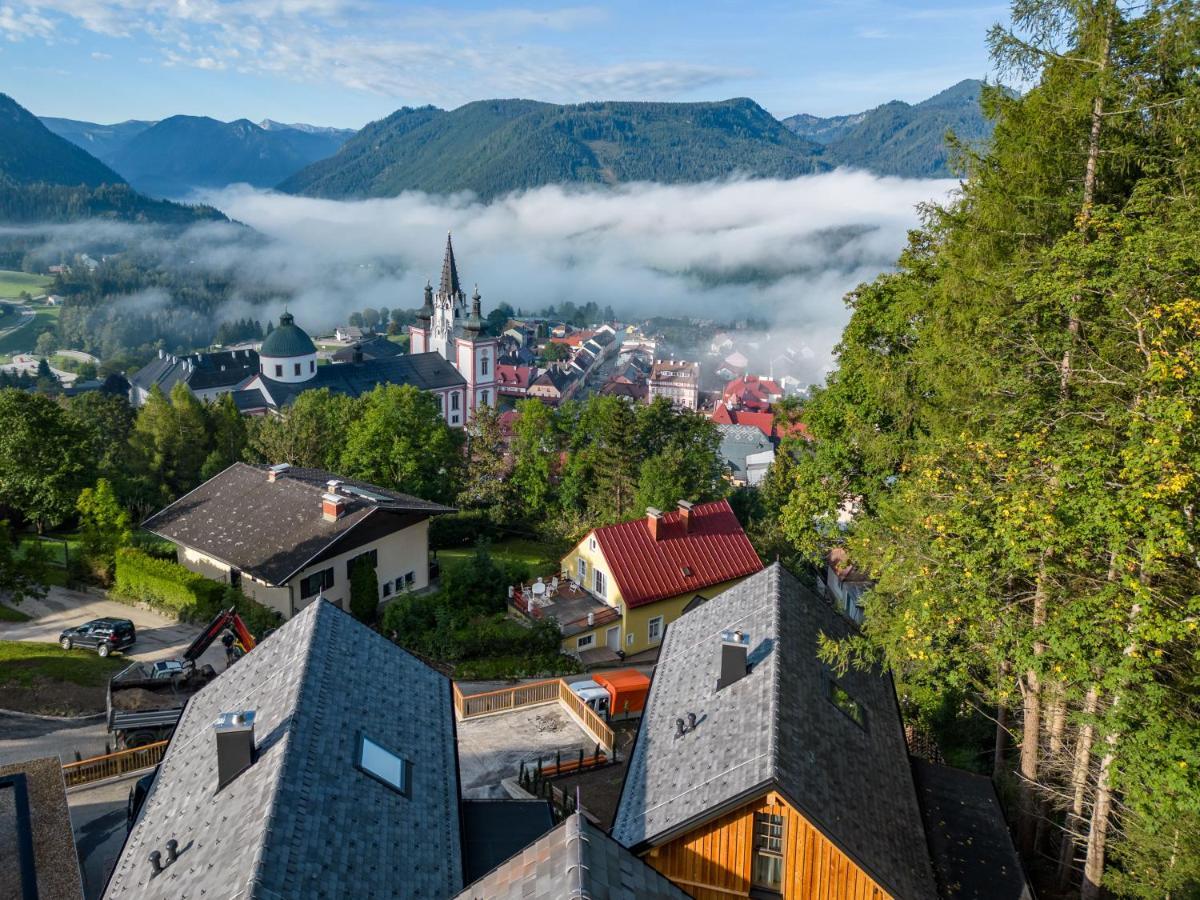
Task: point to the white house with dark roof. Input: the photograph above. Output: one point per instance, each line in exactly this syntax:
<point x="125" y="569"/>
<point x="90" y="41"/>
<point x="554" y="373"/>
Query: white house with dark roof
<point x="287" y="535"/>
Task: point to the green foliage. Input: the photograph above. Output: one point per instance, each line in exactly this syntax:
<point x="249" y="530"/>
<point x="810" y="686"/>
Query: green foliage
<point x="41" y="465"/>
<point x="492" y="147"/>
<point x="300" y="436"/>
<point x="165" y="585"/>
<point x="464" y="528"/>
<point x="364" y="591"/>
<point x="25" y="574"/>
<point x="103" y="526"/>
<point x="553" y="353"/>
<point x="486" y="484"/>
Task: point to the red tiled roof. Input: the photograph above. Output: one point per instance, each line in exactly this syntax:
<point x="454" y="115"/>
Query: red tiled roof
<point x="752" y="392"/>
<point x="763" y="421"/>
<point x="714" y="550"/>
<point x="514" y="376"/>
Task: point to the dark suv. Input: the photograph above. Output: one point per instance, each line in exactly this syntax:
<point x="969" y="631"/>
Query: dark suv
<point x="105" y="635"/>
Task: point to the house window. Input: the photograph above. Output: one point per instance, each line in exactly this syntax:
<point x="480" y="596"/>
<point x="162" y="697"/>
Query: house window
<point x="768" y="851"/>
<point x="484" y="399"/>
<point x="387" y="589"/>
<point x="297" y="372"/>
<point x="315" y="583"/>
<point x="654" y="632"/>
<point x="483" y="365"/>
<point x="372" y="555"/>
<point x="312" y="366"/>
<point x="599" y="582"/>
<point x="454" y="400"/>
<point x="384" y="766"/>
<point x="847" y="704"/>
<point x="586" y="641"/>
<point x="581" y="566"/>
<point x="279" y="371"/>
<point x="591" y="543"/>
<point x="409" y="579"/>
<point x="454" y="419"/>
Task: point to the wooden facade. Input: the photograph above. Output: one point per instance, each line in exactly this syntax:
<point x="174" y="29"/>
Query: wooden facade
<point x="715" y="861"/>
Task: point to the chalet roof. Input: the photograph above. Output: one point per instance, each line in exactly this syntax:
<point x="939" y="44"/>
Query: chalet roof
<point x="776" y="728"/>
<point x="271" y="530"/>
<point x="303" y="821"/>
<point x="449" y="283"/>
<point x="973" y="852"/>
<point x="427" y="371"/>
<point x="574" y="860"/>
<point x="713" y="549"/>
<point x="35" y="820"/>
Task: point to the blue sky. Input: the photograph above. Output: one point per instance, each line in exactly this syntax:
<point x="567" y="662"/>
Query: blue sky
<point x="346" y="62"/>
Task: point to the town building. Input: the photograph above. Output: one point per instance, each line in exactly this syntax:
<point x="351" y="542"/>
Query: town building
<point x="759" y="770"/>
<point x="651" y="569"/>
<point x="750" y="392"/>
<point x="740" y="444"/>
<point x="676" y="380"/>
<point x="446" y="327"/>
<point x="36" y="840"/>
<point x="555" y="385"/>
<point x="288" y="366"/>
<point x="514" y="381"/>
<point x="206" y="375"/>
<point x="288" y="535"/>
<point x="377" y="347"/>
<point x="349" y="333"/>
<point x="845" y="584"/>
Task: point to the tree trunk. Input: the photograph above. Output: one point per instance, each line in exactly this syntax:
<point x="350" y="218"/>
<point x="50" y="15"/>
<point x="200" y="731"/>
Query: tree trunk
<point x="1031" y="723"/>
<point x="1079" y="780"/>
<point x="1093" y="865"/>
<point x="1056" y="717"/>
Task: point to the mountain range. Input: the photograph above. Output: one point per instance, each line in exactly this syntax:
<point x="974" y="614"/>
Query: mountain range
<point x="45" y="178"/>
<point x="179" y="154"/>
<point x="899" y="138"/>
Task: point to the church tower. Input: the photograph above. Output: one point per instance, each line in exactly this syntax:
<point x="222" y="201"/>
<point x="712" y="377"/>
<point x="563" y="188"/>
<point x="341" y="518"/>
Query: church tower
<point x="446" y="327"/>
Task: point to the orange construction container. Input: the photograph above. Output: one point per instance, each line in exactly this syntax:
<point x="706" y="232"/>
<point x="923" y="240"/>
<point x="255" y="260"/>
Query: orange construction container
<point x="625" y="686"/>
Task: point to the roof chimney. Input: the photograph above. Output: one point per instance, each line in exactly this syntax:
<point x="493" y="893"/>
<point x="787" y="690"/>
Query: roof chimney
<point x="653" y="521"/>
<point x="235" y="745"/>
<point x="275" y="471"/>
<point x="332" y="507"/>
<point x="733" y="657"/>
<point x="685" y="515"/>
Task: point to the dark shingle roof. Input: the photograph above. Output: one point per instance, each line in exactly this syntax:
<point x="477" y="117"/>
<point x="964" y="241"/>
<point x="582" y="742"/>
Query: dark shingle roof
<point x="776" y="728"/>
<point x="373" y="348"/>
<point x="427" y="371"/>
<point x="272" y="530"/>
<point x="575" y="860"/>
<point x="302" y="821"/>
<point x="35" y="833"/>
<point x="494" y="830"/>
<point x="738" y="442"/>
<point x="449" y="284"/>
<point x="972" y="850"/>
<point x="200" y="371"/>
<point x="288" y="339"/>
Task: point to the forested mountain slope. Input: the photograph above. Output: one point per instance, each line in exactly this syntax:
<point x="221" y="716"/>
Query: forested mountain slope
<point x="101" y="141"/>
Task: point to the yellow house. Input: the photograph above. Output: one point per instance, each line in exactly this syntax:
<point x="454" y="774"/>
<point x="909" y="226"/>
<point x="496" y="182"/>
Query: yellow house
<point x="650" y="571"/>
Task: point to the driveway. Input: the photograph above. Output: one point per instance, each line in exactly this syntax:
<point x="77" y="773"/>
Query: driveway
<point x="158" y="636"/>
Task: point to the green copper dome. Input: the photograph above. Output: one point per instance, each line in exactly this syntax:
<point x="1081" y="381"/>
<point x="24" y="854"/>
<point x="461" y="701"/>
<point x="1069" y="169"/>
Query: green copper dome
<point x="287" y="340"/>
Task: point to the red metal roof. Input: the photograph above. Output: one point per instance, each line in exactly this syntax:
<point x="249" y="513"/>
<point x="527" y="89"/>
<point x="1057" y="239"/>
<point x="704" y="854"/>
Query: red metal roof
<point x="763" y="421"/>
<point x="714" y="549"/>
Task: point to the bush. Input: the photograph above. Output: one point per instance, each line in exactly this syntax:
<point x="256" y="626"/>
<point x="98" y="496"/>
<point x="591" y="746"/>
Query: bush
<point x="166" y="585"/>
<point x="153" y="545"/>
<point x="549" y="666"/>
<point x="364" y="591"/>
<point x="462" y="529"/>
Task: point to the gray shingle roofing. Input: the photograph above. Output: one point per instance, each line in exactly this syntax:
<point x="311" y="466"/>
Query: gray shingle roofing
<point x="972" y="850"/>
<point x="271" y="530"/>
<point x="427" y="371"/>
<point x="302" y="822"/>
<point x="775" y="728"/>
<point x="575" y="861"/>
<point x="738" y="442"/>
<point x="200" y="371"/>
<point x="373" y="348"/>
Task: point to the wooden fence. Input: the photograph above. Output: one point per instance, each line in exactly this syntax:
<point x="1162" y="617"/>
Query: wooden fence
<point x="123" y="762"/>
<point x="470" y="706"/>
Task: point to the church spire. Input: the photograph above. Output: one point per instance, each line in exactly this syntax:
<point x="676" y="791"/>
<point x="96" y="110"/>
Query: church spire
<point x="450" y="284"/>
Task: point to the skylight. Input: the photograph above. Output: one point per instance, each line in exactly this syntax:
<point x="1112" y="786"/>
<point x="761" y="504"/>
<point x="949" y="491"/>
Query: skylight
<point x="383" y="765"/>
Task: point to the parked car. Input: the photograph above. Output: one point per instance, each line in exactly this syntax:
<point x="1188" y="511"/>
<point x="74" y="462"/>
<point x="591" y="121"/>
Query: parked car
<point x="102" y="635"/>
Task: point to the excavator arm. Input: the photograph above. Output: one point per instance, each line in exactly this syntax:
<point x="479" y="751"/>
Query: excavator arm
<point x="225" y="619"/>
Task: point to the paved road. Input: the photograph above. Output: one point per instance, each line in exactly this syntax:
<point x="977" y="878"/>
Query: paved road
<point x="158" y="636"/>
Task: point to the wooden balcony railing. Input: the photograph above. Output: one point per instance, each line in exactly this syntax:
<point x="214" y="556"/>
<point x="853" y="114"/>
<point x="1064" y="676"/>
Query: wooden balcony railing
<point x="123" y="762"/>
<point x="470" y="706"/>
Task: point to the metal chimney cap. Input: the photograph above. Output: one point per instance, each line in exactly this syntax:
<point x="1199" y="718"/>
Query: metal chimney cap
<point x="737" y="637"/>
<point x="241" y="720"/>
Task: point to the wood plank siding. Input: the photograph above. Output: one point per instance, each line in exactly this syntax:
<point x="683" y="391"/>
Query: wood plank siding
<point x="714" y="862"/>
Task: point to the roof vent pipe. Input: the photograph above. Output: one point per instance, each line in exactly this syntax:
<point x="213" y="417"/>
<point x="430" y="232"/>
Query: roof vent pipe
<point x="733" y="657"/>
<point x="680" y="728"/>
<point x="591" y="619"/>
<point x="234" y="732"/>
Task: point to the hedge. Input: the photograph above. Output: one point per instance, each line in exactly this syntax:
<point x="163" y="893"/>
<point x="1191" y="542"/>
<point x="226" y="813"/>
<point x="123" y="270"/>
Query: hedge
<point x="174" y="588"/>
<point x="165" y="585"/>
<point x="462" y="529"/>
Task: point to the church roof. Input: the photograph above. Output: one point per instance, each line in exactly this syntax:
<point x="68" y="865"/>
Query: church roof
<point x="287" y="340"/>
<point x="450" y="283"/>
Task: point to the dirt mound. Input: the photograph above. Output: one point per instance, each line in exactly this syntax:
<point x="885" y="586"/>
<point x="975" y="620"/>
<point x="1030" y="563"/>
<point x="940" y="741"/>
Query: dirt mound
<point x="49" y="697"/>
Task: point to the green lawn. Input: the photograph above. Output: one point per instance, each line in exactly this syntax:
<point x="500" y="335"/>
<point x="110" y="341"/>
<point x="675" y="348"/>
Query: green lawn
<point x="23" y="661"/>
<point x="542" y="559"/>
<point x="57" y="573"/>
<point x="13" y="283"/>
<point x="23" y="339"/>
<point x="8" y="614"/>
